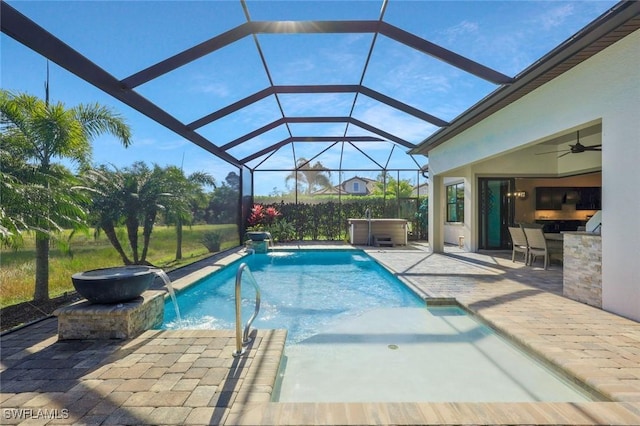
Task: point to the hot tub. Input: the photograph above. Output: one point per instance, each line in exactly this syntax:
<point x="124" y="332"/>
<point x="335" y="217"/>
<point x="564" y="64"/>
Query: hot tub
<point x="363" y="231"/>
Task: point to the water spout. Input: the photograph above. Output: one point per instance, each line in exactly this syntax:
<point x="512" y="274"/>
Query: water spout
<point x="270" y="238"/>
<point x="167" y="283"/>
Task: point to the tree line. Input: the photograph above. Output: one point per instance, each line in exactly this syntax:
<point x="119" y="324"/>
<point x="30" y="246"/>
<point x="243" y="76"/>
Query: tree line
<point x="309" y="178"/>
<point x="43" y="197"/>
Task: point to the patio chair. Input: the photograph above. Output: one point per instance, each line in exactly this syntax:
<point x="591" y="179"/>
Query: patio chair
<point x="537" y="245"/>
<point x="519" y="243"/>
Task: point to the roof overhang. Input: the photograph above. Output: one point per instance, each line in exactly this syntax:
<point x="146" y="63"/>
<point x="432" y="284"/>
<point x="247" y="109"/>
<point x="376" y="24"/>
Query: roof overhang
<point x="612" y="26"/>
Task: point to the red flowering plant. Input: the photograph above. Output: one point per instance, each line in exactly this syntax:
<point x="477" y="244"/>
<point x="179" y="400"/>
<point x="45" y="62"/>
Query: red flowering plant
<point x="256" y="217"/>
<point x="269" y="219"/>
<point x="270" y="215"/>
<point x="262" y="217"/>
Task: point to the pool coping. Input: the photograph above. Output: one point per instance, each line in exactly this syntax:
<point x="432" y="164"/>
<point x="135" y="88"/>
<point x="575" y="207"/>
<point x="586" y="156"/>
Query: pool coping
<point x="617" y="376"/>
<point x="578" y="377"/>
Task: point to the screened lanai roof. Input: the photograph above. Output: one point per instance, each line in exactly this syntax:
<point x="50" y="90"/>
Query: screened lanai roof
<point x="263" y="84"/>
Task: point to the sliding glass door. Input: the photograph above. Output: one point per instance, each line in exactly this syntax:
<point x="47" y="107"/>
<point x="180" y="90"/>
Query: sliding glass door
<point x="496" y="212"/>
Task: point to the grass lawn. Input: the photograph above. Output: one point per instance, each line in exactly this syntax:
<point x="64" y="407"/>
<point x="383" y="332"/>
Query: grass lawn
<point x="17" y="271"/>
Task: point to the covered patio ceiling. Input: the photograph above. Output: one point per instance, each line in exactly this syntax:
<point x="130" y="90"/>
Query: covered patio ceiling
<point x="360" y="101"/>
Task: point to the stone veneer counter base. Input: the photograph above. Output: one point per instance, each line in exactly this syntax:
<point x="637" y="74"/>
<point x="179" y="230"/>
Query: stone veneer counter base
<point x="126" y="320"/>
<point x="582" y="276"/>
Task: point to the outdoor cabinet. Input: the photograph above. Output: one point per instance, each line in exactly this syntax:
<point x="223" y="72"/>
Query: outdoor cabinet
<point x="549" y="198"/>
<point x="552" y="198"/>
<point x="590" y="199"/>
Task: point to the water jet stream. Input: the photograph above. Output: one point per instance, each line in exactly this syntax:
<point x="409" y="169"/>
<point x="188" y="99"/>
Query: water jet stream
<point x="167" y="283"/>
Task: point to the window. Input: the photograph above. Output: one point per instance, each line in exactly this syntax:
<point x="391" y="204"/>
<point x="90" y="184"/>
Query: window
<point x="455" y="202"/>
<point x="356" y="186"/>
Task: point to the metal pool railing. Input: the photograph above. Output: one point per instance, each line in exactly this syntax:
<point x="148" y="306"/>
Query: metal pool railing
<point x="243" y="339"/>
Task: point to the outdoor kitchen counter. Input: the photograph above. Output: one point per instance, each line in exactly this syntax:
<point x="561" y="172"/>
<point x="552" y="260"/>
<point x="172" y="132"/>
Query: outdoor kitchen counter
<point x="582" y="275"/>
<point x="361" y="231"/>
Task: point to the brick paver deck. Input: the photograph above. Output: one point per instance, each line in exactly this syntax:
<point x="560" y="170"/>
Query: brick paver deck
<point x="190" y="377"/>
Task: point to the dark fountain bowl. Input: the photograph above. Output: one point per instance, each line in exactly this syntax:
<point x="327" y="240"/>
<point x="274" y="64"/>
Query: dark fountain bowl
<point x="113" y="285"/>
<point x="257" y="235"/>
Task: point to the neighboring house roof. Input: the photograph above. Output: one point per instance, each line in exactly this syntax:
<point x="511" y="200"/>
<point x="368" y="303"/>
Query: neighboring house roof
<point x="342" y="188"/>
<point x="333" y="190"/>
<point x="617" y="23"/>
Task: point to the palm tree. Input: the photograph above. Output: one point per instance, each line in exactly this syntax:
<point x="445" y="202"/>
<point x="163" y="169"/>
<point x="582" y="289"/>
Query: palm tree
<point x="312" y="177"/>
<point x="48" y="132"/>
<point x="185" y="191"/>
<point x="107" y="190"/>
<point x="51" y="197"/>
<point x="132" y="197"/>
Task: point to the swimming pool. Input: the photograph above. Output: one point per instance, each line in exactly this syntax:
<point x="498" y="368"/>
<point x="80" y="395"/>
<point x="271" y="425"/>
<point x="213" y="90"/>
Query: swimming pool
<point x="358" y="334"/>
<point x="303" y="291"/>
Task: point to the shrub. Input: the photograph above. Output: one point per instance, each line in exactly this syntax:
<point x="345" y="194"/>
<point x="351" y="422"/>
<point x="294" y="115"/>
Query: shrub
<point x="282" y="231"/>
<point x="211" y="240"/>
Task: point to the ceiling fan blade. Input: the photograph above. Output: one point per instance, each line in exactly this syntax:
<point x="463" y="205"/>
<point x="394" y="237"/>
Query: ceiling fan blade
<point x="566" y="153"/>
<point x="593" y="148"/>
<point x="553" y="152"/>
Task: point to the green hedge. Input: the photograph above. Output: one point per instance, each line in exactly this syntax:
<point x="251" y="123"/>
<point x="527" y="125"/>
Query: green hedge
<point x="327" y="220"/>
<point x="324" y="218"/>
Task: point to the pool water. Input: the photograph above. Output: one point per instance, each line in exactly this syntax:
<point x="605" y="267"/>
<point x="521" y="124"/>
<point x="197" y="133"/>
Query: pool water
<point x="302" y="291"/>
<point x="433" y="354"/>
<point x="358" y="334"/>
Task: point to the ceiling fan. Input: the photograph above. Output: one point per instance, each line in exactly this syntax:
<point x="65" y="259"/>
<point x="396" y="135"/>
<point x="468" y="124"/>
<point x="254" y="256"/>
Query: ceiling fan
<point x="575" y="149"/>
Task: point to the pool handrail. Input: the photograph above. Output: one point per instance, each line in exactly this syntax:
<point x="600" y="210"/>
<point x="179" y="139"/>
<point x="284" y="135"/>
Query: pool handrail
<point x="243" y="339"/>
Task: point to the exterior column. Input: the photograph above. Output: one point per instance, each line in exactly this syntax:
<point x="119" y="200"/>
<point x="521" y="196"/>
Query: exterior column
<point x="436" y="213"/>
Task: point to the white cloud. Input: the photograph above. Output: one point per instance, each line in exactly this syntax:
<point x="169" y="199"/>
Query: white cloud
<point x="555" y="17"/>
<point x="327" y="104"/>
<point x="218" y="89"/>
<point x="464" y="28"/>
<point x="396" y="123"/>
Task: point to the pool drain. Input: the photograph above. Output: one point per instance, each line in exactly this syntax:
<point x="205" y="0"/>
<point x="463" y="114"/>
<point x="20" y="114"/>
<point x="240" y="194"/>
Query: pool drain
<point x="393" y="347"/>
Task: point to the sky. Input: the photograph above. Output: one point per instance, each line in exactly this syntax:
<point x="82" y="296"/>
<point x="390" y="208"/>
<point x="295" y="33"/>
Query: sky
<point x="124" y="37"/>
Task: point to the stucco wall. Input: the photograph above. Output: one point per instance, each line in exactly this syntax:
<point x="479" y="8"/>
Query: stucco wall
<point x="621" y="176"/>
<point x="604" y="88"/>
<point x="350" y="186"/>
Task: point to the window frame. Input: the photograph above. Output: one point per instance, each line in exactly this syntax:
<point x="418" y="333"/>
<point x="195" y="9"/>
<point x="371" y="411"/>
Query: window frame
<point x="455" y="202"/>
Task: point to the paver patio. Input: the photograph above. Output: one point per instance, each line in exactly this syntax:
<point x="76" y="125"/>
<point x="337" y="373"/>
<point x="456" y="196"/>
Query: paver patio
<point x="190" y="376"/>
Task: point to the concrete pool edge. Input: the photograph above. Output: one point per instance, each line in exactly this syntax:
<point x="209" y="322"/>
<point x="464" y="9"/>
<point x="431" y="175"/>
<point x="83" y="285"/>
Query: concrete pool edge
<point x="524" y="345"/>
<point x="33" y="345"/>
<point x="527" y="347"/>
<point x="430" y="413"/>
<point x="513" y="339"/>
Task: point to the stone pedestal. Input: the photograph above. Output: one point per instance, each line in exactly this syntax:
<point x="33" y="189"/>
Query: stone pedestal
<point x="582" y="267"/>
<point x="84" y="320"/>
<point x="260" y="246"/>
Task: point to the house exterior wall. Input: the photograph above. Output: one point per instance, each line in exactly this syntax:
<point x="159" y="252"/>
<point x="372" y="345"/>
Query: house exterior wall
<point x="605" y="88"/>
<point x="454" y="230"/>
<point x="350" y="186"/>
